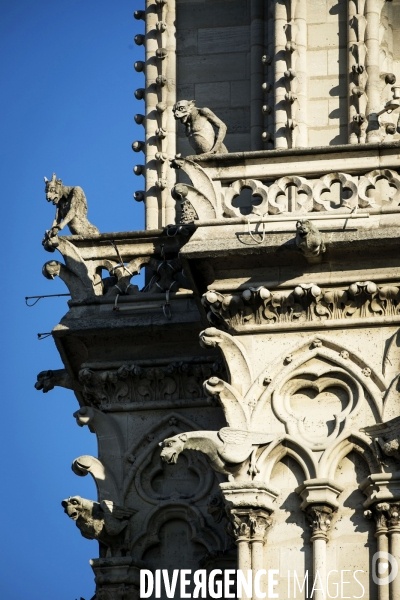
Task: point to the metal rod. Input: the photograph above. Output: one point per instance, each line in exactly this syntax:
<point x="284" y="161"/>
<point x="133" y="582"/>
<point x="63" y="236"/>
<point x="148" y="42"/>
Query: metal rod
<point x="37" y="298"/>
<point x="309" y="216"/>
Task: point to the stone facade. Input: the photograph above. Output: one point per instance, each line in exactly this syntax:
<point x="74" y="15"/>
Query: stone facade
<point x="262" y="355"/>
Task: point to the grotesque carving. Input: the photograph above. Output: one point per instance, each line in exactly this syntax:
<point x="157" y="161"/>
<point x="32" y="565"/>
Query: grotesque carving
<point x="386" y="436"/>
<point x="47" y="380"/>
<point x="71" y="209"/>
<point x="309" y="239"/>
<point x="225" y="449"/>
<point x="199" y="124"/>
<point x="104" y="522"/>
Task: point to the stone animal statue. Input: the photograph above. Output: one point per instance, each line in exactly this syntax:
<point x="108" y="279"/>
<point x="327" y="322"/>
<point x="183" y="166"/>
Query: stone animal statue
<point x="225" y="449"/>
<point x="71" y="209"/>
<point x="309" y="239"/>
<point x="387" y="436"/>
<point x="199" y="124"/>
<point x="48" y="380"/>
<point x="101" y="521"/>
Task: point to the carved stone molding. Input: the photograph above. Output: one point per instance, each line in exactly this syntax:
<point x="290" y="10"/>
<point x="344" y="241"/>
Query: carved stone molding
<point x="133" y="383"/>
<point x="306" y="303"/>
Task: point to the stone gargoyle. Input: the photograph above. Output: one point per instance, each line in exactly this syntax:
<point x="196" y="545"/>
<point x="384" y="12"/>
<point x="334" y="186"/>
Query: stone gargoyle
<point x="387" y="436"/>
<point x="225" y="449"/>
<point x="199" y="127"/>
<point x="309" y="239"/>
<point x="101" y="521"/>
<point x="71" y="209"/>
<point x="48" y="380"/>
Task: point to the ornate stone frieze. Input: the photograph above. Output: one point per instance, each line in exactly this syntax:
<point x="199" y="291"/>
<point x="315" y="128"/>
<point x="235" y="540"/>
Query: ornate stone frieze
<point x="134" y="383"/>
<point x="307" y="303"/>
<point x="209" y="198"/>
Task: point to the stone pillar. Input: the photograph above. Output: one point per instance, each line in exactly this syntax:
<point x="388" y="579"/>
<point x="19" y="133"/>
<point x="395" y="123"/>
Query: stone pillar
<point x="393" y="513"/>
<point x="320" y="516"/>
<point x="256" y="74"/>
<point x="160" y="96"/>
<point x="357" y="74"/>
<point x="373" y="86"/>
<point x="249" y="506"/>
<point x="249" y="527"/>
<point x="319" y="503"/>
<point x="381" y="534"/>
<point x="280" y="20"/>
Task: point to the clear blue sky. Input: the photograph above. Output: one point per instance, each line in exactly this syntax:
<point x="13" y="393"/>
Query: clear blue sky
<point x="67" y="105"/>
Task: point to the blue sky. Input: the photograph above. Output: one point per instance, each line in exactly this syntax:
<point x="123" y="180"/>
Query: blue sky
<point x="67" y="106"/>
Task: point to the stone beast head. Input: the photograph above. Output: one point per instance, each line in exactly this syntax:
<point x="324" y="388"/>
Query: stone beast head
<point x="75" y="506"/>
<point x="304" y="228"/>
<point x="183" y="109"/>
<point x="53" y="189"/>
<point x="172" y="447"/>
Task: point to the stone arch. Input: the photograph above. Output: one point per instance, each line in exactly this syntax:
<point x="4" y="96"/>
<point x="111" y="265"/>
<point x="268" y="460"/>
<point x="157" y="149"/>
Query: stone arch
<point x="142" y="453"/>
<point x="274" y="453"/>
<point x="353" y="443"/>
<point x="350" y="364"/>
<point x="200" y="533"/>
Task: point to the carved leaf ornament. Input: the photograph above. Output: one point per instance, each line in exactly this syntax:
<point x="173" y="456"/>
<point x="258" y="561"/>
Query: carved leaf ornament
<point x="305" y="303"/>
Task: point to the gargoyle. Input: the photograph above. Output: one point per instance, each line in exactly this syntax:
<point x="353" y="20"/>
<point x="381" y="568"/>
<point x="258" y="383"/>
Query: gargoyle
<point x="101" y="521"/>
<point x="199" y="124"/>
<point x="225" y="449"/>
<point x="387" y="436"/>
<point x="71" y="209"/>
<point x="309" y="239"/>
<point x="48" y="380"/>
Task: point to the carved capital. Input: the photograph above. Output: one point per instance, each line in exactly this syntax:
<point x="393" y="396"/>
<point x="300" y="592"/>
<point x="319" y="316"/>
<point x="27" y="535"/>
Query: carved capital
<point x="320" y="517"/>
<point x="249" y="525"/>
<point x="379" y="513"/>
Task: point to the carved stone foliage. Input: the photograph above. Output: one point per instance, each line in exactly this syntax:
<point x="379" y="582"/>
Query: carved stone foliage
<point x="320" y="517"/>
<point x="249" y="525"/>
<point x="102" y="521"/>
<point x="306" y="303"/>
<point x="208" y="199"/>
<point x="134" y="383"/>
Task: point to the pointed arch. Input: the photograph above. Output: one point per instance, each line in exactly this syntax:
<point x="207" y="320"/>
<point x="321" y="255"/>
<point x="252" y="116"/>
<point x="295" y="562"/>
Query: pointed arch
<point x="287" y="446"/>
<point x="142" y="457"/>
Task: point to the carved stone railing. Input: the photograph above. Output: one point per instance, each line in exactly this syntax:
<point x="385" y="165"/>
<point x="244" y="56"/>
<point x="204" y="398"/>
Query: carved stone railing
<point x="120" y="256"/>
<point x="330" y="181"/>
<point x="306" y="305"/>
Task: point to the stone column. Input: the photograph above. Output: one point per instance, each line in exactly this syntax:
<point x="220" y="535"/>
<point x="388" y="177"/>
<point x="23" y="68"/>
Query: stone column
<point x="378" y="513"/>
<point x="249" y="528"/>
<point x="160" y="96"/>
<point x="320" y="516"/>
<point x="373" y="86"/>
<point x="280" y="19"/>
<point x="393" y="513"/>
<point x="256" y="74"/>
